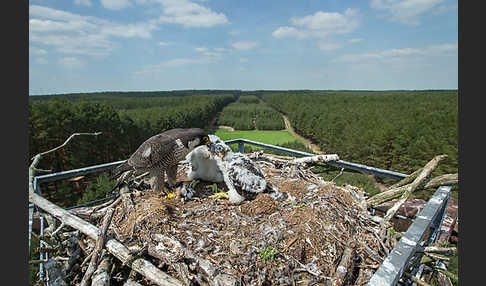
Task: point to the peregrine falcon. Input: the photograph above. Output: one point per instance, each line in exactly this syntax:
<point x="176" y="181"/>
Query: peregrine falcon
<point x="244" y="179"/>
<point x="162" y="153"/>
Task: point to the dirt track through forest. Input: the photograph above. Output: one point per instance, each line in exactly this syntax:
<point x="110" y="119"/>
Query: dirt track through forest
<point x="306" y="141"/>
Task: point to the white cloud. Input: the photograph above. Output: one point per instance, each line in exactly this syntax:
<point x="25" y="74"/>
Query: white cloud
<point x="320" y="24"/>
<point x="190" y="14"/>
<point x="83" y="2"/>
<point x="234" y="32"/>
<point x="406" y="11"/>
<point x="243" y="60"/>
<point x="71" y="62"/>
<point x="71" y="33"/>
<point x="404" y="54"/>
<point x="328" y="46"/>
<point x="244" y="45"/>
<point x="206" y="56"/>
<point x="164" y="44"/>
<point x="115" y="4"/>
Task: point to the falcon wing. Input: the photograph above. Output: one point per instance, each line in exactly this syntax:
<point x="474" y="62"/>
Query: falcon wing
<point x="152" y="151"/>
<point x="245" y="175"/>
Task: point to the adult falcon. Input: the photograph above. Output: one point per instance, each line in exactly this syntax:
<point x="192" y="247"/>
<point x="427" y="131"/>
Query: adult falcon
<point x="162" y="153"/>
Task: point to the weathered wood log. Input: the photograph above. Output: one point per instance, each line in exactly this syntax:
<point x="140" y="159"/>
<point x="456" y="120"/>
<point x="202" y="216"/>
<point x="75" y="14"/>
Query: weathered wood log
<point x="392" y="193"/>
<point x="427" y="170"/>
<point x="438" y="249"/>
<point x="33" y="171"/>
<point x="407" y="180"/>
<point x="100" y="242"/>
<point x="101" y="276"/>
<point x="343" y="268"/>
<point x="157" y="251"/>
<point x="315" y="159"/>
<point x="176" y="251"/>
<point x="120" y="251"/>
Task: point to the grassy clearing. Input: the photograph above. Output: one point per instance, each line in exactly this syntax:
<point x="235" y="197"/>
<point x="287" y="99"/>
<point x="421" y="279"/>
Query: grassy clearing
<point x="268" y="137"/>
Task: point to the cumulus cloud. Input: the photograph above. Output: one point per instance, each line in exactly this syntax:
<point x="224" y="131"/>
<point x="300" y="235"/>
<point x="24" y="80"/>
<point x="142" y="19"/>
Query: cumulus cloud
<point x="71" y="33"/>
<point x="115" y="4"/>
<point x="244" y="45"/>
<point x="189" y="14"/>
<point x="406" y="11"/>
<point x="320" y="24"/>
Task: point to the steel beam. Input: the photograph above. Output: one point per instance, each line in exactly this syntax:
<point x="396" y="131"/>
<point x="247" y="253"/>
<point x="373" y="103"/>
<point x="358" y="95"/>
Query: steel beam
<point x="339" y="163"/>
<point x="77" y="172"/>
<point x="394" y="264"/>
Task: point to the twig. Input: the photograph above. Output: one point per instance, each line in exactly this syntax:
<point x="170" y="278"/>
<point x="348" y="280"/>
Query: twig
<point x="427" y="170"/>
<point x="340" y="173"/>
<point x="120" y="251"/>
<point x="343" y="267"/>
<point x="36" y="158"/>
<point x="99" y="246"/>
<point x="395" y="192"/>
<point x="415" y="279"/>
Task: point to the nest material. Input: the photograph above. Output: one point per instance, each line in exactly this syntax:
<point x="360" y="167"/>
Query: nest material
<point x="299" y="238"/>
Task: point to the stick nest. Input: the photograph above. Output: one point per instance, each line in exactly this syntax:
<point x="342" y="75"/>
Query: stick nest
<point x="261" y="242"/>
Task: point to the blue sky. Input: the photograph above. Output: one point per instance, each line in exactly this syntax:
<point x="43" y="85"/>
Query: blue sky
<point x="146" y="45"/>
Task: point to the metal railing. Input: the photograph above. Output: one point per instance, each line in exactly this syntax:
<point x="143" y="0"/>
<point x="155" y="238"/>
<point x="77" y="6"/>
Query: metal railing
<point x="429" y="220"/>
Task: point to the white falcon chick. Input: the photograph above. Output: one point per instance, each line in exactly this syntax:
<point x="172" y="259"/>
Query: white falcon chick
<point x="218" y="163"/>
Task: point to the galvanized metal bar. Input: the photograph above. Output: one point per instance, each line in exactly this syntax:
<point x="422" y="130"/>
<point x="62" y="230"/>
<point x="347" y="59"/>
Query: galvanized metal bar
<point x="394" y="264"/>
<point x="339" y="163"/>
<point x="368" y="170"/>
<point x="41" y="253"/>
<point x="269" y="146"/>
<point x="31" y="220"/>
<point x="437" y="223"/>
<point x="77" y="172"/>
<point x="241" y="147"/>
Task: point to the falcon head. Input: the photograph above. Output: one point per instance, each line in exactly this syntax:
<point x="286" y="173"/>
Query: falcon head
<point x="218" y="147"/>
<point x="201" y="139"/>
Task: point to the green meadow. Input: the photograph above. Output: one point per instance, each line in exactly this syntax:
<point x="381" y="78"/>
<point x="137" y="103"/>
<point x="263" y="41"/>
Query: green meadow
<point x="269" y="137"/>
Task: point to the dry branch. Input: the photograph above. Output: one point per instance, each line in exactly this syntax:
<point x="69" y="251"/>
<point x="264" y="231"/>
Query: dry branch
<point x="101" y="276"/>
<point x="176" y="249"/>
<point x="343" y="268"/>
<point x="406" y="180"/>
<point x="427" y="170"/>
<point x="395" y="192"/>
<point x="121" y="252"/>
<point x="100" y="242"/>
<point x="415" y="279"/>
<point x="315" y="159"/>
